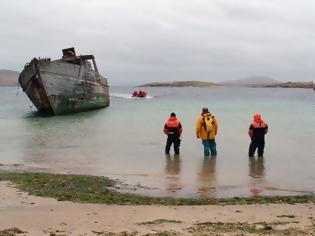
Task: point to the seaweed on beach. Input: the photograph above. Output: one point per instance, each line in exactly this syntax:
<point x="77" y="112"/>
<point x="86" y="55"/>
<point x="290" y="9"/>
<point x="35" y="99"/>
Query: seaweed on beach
<point x="125" y="233"/>
<point x="12" y="232"/>
<point x="160" y="221"/>
<point x="106" y="233"/>
<point x="241" y="228"/>
<point x="95" y="189"/>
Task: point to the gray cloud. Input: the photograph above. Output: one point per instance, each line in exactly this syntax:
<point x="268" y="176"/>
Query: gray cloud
<point x="141" y="41"/>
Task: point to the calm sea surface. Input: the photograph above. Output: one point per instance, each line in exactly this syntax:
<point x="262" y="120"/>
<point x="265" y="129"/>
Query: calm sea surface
<point x="125" y="141"/>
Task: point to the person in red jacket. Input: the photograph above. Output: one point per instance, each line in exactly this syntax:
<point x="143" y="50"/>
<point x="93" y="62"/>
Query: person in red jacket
<point x="173" y="129"/>
<point x="256" y="132"/>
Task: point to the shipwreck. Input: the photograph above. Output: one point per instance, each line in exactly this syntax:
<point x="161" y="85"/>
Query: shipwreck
<point x="67" y="85"/>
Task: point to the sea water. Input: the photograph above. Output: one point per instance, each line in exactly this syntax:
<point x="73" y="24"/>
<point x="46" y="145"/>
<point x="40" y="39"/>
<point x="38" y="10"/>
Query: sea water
<point x="126" y="142"/>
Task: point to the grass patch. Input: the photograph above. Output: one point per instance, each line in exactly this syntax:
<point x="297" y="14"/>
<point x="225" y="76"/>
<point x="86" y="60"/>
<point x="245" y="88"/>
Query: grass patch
<point x="93" y="189"/>
<point x="159" y="221"/>
<point x="261" y="228"/>
<point x="224" y="229"/>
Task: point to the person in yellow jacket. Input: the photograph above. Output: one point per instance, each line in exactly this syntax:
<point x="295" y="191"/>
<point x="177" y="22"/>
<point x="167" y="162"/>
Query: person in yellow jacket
<point x="206" y="130"/>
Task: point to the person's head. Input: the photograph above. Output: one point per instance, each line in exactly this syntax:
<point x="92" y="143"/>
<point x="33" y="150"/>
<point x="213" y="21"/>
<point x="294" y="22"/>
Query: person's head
<point x="257" y="118"/>
<point x="204" y="110"/>
<point x="173" y="114"/>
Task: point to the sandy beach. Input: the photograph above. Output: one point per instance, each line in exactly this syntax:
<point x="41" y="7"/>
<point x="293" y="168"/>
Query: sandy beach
<point x="47" y="216"/>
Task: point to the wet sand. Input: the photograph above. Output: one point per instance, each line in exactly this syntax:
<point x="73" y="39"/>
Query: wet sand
<point x="47" y="216"/>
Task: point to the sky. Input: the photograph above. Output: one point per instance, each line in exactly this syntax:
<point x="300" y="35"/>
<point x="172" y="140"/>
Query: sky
<point x="143" y="41"/>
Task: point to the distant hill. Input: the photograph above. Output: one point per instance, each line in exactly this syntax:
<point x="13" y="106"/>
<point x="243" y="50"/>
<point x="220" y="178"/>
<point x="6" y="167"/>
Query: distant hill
<point x="180" y="84"/>
<point x="254" y="80"/>
<point x="266" y="82"/>
<point x="309" y="84"/>
<point x="9" y="77"/>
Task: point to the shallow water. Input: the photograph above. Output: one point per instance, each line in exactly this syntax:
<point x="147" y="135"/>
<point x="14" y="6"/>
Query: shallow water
<point x="125" y="141"/>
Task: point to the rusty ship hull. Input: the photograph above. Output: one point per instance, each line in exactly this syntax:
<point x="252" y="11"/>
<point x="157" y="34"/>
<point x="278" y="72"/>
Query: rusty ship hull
<point x="61" y="86"/>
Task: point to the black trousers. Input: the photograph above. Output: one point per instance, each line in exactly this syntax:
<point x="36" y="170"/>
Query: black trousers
<point x="260" y="144"/>
<point x="175" y="140"/>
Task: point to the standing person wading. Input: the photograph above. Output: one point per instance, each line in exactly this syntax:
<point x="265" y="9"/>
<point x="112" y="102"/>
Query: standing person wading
<point x="256" y="132"/>
<point x="173" y="129"/>
<point x="206" y="130"/>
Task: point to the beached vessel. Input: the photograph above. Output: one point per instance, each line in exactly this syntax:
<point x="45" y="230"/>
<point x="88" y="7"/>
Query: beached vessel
<point x="67" y="85"/>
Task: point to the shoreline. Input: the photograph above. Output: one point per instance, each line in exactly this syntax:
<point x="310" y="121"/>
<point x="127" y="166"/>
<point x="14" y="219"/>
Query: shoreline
<point x="35" y="215"/>
<point x="64" y="204"/>
<point x="102" y="190"/>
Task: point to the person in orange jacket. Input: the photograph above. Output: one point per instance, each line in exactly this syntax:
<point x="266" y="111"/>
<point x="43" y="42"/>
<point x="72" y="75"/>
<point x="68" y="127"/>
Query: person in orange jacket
<point x="256" y="132"/>
<point x="173" y="129"/>
<point x="135" y="94"/>
<point x="206" y="130"/>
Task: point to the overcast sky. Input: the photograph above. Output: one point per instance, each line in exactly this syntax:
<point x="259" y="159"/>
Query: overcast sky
<point x="142" y="41"/>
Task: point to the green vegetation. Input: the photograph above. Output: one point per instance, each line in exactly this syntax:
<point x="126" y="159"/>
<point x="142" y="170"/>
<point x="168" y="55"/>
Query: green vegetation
<point x="261" y="228"/>
<point x="106" y="233"/>
<point x="93" y="189"/>
<point x="223" y="229"/>
<point x="287" y="216"/>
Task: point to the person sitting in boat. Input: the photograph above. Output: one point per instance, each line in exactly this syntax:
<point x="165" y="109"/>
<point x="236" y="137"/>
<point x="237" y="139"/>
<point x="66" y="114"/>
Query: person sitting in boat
<point x="142" y="93"/>
<point x="135" y="94"/>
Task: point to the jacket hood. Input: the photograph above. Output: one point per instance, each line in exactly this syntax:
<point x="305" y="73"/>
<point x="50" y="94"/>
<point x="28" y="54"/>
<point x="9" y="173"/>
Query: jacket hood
<point x="257" y="118"/>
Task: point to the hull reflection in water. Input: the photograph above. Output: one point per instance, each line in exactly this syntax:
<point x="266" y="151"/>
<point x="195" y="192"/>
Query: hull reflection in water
<point x="172" y="171"/>
<point x="207" y="177"/>
<point x="257" y="173"/>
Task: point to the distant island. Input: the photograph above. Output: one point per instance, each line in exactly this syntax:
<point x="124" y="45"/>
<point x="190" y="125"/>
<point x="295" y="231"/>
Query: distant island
<point x="9" y="77"/>
<point x="241" y="82"/>
<point x="201" y="84"/>
<point x="258" y="82"/>
<point x="267" y="82"/>
<point x="309" y="84"/>
<point x="253" y="80"/>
